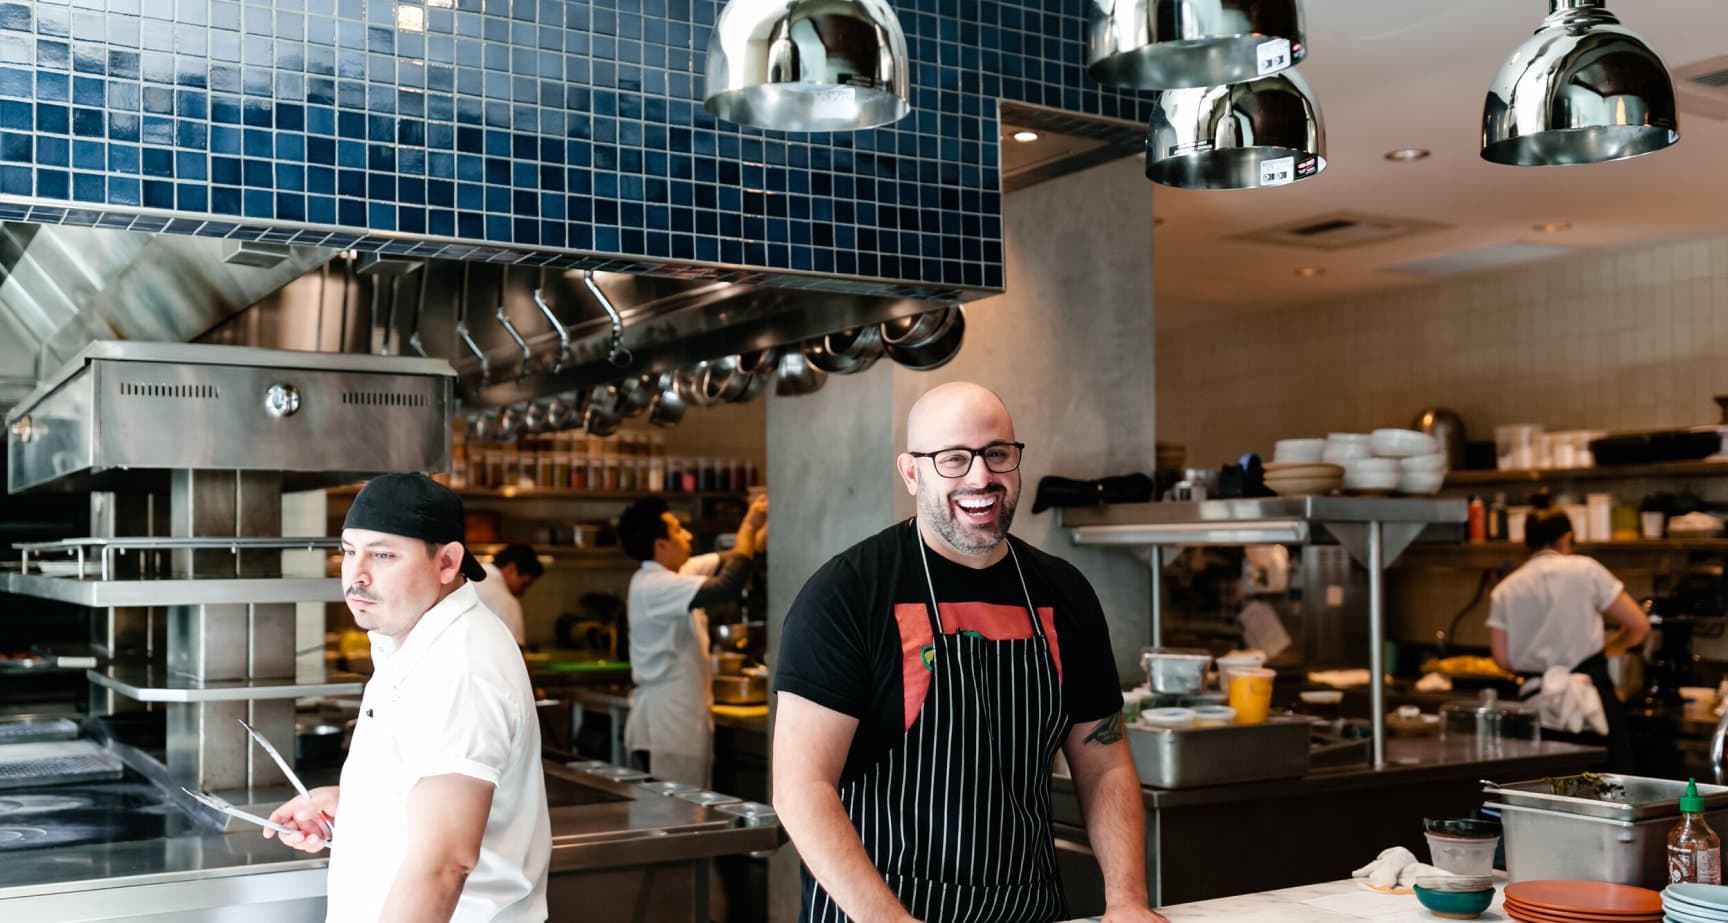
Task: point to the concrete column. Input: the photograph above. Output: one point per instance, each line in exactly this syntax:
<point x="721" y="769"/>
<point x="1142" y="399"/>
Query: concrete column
<point x="1068" y="346"/>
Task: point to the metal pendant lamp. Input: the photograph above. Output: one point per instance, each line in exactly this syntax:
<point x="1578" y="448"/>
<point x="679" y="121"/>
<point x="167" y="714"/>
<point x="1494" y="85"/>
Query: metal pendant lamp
<point x="1168" y="44"/>
<point x="1264" y="132"/>
<point x="1583" y="89"/>
<point x="808" y="65"/>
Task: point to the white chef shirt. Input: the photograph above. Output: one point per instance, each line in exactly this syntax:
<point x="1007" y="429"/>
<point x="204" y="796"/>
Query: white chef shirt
<point x="454" y="698"/>
<point x="495" y="595"/>
<point x="1551" y="610"/>
<point x="663" y="629"/>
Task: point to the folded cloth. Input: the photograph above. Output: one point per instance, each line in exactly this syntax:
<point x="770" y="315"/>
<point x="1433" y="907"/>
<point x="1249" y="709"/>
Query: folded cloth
<point x="1567" y="701"/>
<point x="1384" y="871"/>
<point x="1068" y="492"/>
<point x="1396" y="867"/>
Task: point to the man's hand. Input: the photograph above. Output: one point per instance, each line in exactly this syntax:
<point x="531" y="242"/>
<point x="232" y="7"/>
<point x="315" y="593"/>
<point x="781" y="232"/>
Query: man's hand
<point x="312" y="814"/>
<point x="757" y="515"/>
<point x="1132" y="913"/>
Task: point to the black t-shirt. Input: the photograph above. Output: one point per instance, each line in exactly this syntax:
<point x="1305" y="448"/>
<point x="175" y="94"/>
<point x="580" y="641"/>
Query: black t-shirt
<point x="865" y="614"/>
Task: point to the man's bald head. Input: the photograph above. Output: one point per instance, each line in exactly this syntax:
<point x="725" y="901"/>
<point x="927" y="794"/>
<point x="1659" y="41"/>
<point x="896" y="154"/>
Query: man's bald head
<point x="947" y="414"/>
<point x="965" y="518"/>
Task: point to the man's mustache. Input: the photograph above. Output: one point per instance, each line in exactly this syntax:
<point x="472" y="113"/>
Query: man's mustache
<point x="360" y="593"/>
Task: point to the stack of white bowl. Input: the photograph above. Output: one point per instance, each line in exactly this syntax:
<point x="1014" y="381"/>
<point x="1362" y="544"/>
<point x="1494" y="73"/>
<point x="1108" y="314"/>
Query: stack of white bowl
<point x="1419" y="462"/>
<point x="1298" y="470"/>
<point x="1383" y="462"/>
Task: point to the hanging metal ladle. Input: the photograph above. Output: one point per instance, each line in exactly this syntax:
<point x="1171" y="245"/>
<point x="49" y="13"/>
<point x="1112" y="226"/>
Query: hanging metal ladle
<point x="615" y="351"/>
<point x="558" y="327"/>
<point x="527" y="366"/>
<point x="468" y="338"/>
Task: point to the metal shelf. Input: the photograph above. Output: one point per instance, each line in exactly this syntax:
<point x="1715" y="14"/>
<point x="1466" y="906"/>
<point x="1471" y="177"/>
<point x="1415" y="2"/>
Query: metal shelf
<point x="103" y="550"/>
<point x="144" y="683"/>
<point x="1694" y="469"/>
<point x="1374" y="532"/>
<point x="103" y="594"/>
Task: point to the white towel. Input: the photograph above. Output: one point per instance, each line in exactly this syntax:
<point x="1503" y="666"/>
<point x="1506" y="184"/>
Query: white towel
<point x="1567" y="701"/>
<point x="1395" y="867"/>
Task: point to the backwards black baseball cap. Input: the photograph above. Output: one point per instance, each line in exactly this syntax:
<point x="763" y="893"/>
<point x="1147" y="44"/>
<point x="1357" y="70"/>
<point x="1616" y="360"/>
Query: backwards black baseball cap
<point x="412" y="506"/>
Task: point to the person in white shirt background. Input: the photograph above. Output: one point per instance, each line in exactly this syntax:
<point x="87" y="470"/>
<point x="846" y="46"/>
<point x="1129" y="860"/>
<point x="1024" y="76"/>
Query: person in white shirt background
<point x="671" y="719"/>
<point x="441" y="811"/>
<point x="508" y="575"/>
<point x="1550" y="613"/>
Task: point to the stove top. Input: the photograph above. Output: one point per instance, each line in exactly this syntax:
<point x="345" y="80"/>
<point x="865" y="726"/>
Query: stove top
<point x="68" y="815"/>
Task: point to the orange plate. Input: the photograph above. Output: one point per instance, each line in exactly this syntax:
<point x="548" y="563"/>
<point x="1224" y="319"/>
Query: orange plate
<point x="1524" y="912"/>
<point x="1592" y="897"/>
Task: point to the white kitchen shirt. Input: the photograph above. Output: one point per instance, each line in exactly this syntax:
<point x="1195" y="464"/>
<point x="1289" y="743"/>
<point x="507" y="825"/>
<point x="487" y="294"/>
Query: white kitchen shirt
<point x="1551" y="610"/>
<point x="495" y="595"/>
<point x="453" y="699"/>
<point x="670" y="713"/>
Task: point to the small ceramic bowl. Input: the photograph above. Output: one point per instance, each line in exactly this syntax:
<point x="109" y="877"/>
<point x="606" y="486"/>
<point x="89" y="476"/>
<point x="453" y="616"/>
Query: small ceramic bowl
<point x="1455" y="905"/>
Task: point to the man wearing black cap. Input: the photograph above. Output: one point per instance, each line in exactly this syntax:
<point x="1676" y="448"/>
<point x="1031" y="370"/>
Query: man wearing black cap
<point x="442" y="803"/>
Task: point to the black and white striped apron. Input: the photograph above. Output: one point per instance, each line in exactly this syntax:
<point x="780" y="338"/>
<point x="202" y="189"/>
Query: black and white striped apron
<point x="957" y="817"/>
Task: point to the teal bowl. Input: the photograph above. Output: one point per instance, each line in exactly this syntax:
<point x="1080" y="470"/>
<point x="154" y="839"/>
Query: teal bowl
<point x="1455" y="905"/>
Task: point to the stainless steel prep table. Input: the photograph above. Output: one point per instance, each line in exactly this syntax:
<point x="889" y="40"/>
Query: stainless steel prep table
<point x="621" y="854"/>
<point x="1315" y="828"/>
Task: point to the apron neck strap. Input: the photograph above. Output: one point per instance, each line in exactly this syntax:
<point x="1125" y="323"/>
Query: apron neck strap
<point x="930" y="585"/>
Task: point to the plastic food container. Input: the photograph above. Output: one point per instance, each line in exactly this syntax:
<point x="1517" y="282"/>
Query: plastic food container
<point x="1462" y="855"/>
<point x="1233" y="663"/>
<point x="1214" y="716"/>
<point x="1168" y="718"/>
<point x="1180" y="671"/>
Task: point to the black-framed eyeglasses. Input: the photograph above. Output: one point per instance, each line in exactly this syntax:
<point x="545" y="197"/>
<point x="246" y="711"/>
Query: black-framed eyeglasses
<point x="999" y="457"/>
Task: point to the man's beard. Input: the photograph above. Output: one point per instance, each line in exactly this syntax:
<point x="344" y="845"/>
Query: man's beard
<point x="937" y="511"/>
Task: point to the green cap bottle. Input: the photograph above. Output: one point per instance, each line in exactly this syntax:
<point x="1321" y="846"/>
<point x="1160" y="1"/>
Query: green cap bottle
<point x="1691" y="802"/>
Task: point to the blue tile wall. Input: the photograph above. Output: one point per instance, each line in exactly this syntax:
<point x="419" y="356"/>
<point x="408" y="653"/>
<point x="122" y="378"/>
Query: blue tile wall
<point x="560" y="133"/>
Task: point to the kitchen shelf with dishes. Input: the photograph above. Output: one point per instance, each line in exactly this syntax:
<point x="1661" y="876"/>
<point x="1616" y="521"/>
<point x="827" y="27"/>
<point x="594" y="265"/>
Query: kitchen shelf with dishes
<point x="1374" y="532"/>
<point x="1495" y="477"/>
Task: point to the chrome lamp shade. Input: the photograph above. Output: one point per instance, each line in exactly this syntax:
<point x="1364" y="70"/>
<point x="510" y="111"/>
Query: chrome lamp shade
<point x="1264" y="132"/>
<point x="1583" y="89"/>
<point x="808" y="65"/>
<point x="1170" y="44"/>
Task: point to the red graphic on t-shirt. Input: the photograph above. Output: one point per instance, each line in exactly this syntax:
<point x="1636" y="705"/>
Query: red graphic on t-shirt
<point x="995" y="622"/>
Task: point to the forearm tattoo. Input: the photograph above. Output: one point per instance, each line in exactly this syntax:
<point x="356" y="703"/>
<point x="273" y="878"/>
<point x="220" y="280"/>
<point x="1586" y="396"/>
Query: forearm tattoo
<point x="1107" y="731"/>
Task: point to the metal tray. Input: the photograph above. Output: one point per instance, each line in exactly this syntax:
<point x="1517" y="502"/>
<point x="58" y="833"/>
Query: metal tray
<point x="1193" y="757"/>
<point x="56" y="763"/>
<point x="1644" y="797"/>
<point x="26" y="729"/>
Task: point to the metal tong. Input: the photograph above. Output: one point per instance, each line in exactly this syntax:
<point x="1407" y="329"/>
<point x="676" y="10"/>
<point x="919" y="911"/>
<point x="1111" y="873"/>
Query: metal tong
<point x="219" y="804"/>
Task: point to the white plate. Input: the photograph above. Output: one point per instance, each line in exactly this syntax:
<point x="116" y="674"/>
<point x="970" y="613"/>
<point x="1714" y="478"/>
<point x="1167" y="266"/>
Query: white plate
<point x="61" y="568"/>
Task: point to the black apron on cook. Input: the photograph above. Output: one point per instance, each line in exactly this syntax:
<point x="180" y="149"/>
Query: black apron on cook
<point x="1618" y="740"/>
<point x="957" y="817"/>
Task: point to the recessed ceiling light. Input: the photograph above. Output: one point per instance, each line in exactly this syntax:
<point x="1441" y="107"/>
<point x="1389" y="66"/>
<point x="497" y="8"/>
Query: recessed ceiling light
<point x="1025" y="136"/>
<point x="1407" y="154"/>
<point x="1551" y="227"/>
<point x="1310" y="272"/>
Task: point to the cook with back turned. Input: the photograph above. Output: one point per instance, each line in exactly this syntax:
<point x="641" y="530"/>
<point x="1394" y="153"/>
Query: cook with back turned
<point x="927" y="677"/>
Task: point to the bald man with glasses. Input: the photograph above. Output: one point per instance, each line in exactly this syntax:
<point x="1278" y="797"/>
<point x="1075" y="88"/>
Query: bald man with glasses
<point x="927" y="678"/>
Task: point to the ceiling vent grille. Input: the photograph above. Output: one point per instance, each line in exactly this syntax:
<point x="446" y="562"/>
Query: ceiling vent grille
<point x="1342" y="230"/>
<point x="384" y="399"/>
<point x="1701" y="89"/>
<point x="172" y="392"/>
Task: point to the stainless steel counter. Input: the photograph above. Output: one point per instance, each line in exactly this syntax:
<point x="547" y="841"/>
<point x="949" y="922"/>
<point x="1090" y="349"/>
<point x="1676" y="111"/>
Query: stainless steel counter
<point x="1319" y="827"/>
<point x="600" y="827"/>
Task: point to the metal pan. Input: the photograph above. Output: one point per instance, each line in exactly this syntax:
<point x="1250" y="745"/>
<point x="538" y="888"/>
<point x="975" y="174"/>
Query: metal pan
<point x="668" y="407"/>
<point x="931" y="352"/>
<point x="846" y="352"/>
<point x="601" y="417"/>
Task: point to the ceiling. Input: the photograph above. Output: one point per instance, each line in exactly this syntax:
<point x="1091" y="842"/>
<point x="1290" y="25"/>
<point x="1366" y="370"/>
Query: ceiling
<point x="1394" y="74"/>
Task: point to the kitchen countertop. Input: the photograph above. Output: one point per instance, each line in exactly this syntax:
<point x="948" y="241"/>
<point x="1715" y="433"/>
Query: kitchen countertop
<point x="742" y="717"/>
<point x="1332" y="902"/>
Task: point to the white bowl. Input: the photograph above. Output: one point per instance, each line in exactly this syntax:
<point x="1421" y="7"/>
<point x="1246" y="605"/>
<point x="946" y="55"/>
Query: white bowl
<point x="1348" y="439"/>
<point x="1298" y="450"/>
<point x="1398" y="443"/>
<point x="1360" y="466"/>
<point x="1435" y="462"/>
<point x="1339" y="453"/>
<point x="1371" y="482"/>
<point x="1421" y="483"/>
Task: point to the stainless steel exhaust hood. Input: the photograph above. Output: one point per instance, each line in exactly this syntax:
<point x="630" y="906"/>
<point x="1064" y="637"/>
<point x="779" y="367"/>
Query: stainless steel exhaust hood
<point x="66" y="286"/>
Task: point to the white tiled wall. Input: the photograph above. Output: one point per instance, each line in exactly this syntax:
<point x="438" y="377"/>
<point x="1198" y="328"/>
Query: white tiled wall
<point x="1619" y="340"/>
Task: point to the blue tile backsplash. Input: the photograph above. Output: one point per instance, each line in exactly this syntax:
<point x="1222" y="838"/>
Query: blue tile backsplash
<point x="563" y="133"/>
